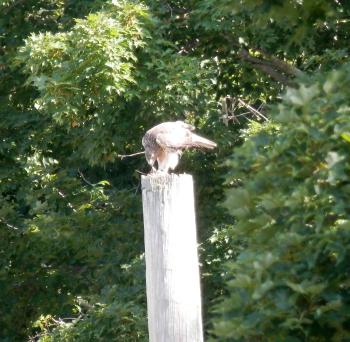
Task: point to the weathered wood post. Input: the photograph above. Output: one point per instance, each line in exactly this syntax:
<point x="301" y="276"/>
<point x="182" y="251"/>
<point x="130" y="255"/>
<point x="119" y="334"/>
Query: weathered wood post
<point x="172" y="270"/>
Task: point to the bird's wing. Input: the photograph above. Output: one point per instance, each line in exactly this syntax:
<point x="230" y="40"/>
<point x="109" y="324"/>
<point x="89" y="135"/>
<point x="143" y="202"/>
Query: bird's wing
<point x="175" y="139"/>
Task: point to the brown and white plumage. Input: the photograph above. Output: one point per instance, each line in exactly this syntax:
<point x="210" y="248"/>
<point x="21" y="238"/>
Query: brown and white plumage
<point x="165" y="143"/>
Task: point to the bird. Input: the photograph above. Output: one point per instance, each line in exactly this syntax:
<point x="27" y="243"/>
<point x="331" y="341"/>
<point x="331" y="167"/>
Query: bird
<point x="166" y="142"/>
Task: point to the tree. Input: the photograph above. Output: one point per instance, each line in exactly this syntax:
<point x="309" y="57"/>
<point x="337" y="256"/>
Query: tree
<point x="289" y="180"/>
<point x="80" y="82"/>
<point x="292" y="212"/>
<point x="78" y="94"/>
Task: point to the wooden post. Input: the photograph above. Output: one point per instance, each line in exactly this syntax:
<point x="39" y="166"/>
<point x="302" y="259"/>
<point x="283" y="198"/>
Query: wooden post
<point x="172" y="270"/>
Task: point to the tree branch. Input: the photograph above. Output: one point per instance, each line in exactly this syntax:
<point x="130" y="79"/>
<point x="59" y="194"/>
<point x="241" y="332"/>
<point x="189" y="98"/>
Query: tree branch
<point x="276" y="68"/>
<point x="280" y="64"/>
<point x="271" y="68"/>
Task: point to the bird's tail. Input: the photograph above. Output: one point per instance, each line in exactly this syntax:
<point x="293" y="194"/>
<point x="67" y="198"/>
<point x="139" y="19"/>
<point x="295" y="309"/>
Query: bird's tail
<point x="199" y="141"/>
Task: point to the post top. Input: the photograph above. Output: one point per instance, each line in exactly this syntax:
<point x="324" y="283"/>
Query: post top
<point x="154" y="181"/>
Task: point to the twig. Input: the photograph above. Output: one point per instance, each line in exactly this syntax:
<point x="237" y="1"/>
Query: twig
<point x="64" y="196"/>
<point x="141" y="173"/>
<point x="84" y="179"/>
<point x="260" y="107"/>
<point x="253" y="110"/>
<point x="245" y="113"/>
<point x="137" y="189"/>
<point x="36" y="337"/>
<point x="122" y="156"/>
<point x="171" y="10"/>
<point x="8" y="224"/>
<point x="229" y="106"/>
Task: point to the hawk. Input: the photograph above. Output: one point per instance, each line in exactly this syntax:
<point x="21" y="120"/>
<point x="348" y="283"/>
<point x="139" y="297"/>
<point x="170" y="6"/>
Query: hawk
<point x="165" y="143"/>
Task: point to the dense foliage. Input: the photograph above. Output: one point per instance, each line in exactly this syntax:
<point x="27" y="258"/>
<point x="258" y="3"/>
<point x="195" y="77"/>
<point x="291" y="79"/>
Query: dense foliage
<point x="81" y="81"/>
<point x="291" y="203"/>
<point x="75" y="95"/>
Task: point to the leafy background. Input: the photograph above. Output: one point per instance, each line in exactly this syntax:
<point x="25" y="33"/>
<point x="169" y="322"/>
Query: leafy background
<point x="81" y="81"/>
